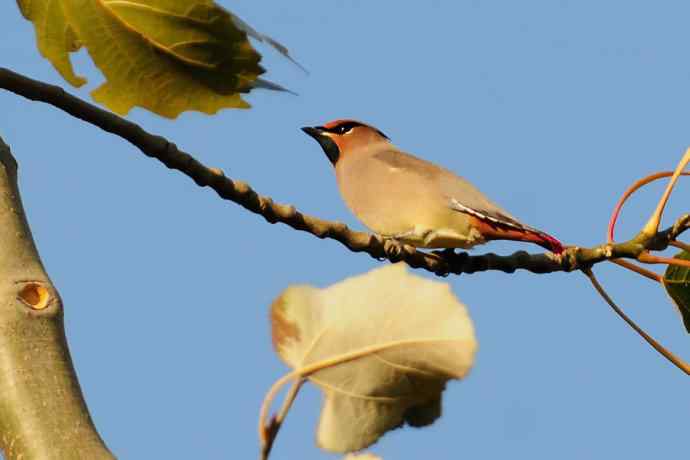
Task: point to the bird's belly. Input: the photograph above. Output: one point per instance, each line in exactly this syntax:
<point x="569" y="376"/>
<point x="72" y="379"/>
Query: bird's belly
<point x="424" y="229"/>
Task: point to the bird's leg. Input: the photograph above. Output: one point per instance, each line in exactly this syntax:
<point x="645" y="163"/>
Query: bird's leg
<point x="445" y="238"/>
<point x="429" y="236"/>
<point x="418" y="237"/>
<point x="401" y="239"/>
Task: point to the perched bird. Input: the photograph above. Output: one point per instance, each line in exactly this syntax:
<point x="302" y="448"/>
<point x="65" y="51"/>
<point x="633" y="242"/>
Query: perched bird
<point x="411" y="200"/>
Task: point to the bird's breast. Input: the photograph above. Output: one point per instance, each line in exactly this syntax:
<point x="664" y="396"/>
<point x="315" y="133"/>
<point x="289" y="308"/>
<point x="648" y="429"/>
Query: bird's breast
<point x="392" y="202"/>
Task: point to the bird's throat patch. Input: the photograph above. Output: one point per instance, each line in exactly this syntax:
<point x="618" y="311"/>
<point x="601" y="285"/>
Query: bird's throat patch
<point x="330" y="148"/>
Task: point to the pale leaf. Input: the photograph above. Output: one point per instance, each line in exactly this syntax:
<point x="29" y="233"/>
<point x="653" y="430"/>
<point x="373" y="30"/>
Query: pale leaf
<point x="384" y="344"/>
<point x="364" y="456"/>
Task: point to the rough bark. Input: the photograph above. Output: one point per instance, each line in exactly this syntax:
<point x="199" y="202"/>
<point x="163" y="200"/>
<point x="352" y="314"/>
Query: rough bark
<point x="42" y="411"/>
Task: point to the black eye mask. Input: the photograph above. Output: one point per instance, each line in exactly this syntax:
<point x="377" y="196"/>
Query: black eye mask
<point x="345" y="127"/>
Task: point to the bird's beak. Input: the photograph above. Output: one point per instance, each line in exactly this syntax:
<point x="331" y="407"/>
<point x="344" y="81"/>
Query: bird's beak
<point x="327" y="144"/>
<point x="314" y="132"/>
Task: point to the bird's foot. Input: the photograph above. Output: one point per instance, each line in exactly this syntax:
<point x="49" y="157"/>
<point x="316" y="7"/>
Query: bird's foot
<point x="395" y="249"/>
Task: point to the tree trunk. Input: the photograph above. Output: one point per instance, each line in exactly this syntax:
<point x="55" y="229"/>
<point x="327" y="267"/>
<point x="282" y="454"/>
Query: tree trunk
<point x="42" y="411"/>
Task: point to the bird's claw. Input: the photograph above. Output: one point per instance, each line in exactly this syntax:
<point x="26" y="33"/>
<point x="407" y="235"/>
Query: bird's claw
<point x="396" y="250"/>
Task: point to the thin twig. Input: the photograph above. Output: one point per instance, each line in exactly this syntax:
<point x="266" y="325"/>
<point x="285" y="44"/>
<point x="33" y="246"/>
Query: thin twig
<point x="678" y="362"/>
<point x="652" y="225"/>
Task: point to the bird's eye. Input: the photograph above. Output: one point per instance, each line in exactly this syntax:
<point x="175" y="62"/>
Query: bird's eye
<point x="344" y="129"/>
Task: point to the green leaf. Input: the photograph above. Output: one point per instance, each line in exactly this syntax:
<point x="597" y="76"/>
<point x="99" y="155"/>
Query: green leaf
<point x="167" y="56"/>
<point x="677" y="284"/>
<point x="54" y="36"/>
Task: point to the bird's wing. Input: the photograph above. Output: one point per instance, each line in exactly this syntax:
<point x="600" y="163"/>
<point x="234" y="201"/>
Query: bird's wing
<point x="494" y="222"/>
<point x="457" y="193"/>
<point x="486" y="214"/>
<point x="464" y="197"/>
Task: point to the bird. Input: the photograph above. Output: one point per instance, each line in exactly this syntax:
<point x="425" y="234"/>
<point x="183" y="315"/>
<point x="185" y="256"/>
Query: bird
<point x="413" y="201"/>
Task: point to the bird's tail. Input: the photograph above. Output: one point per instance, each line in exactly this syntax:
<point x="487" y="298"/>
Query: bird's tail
<point x="544" y="240"/>
<point x="515" y="231"/>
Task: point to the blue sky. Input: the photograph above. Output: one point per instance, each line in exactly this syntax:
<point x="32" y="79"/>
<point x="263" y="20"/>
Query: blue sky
<point x="551" y="107"/>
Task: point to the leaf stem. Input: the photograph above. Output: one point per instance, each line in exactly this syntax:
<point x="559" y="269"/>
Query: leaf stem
<point x="637" y="269"/>
<point x="271" y="430"/>
<point x="648" y="258"/>
<point x="632" y="189"/>
<point x="680" y="245"/>
<point x="679" y="363"/>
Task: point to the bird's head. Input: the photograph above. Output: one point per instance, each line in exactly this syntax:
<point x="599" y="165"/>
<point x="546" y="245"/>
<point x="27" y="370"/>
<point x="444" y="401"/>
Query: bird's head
<point x="340" y="138"/>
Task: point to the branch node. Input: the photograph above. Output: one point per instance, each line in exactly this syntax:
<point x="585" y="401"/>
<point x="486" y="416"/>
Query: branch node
<point x="608" y="250"/>
<point x="217" y="172"/>
<point x="168" y="150"/>
<point x="339" y="228"/>
<point x="681" y="225"/>
<point x="35" y="295"/>
<point x="242" y="188"/>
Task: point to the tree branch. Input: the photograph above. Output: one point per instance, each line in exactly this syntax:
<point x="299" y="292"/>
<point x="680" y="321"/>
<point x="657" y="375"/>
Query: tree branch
<point x="42" y="410"/>
<point x="440" y="263"/>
